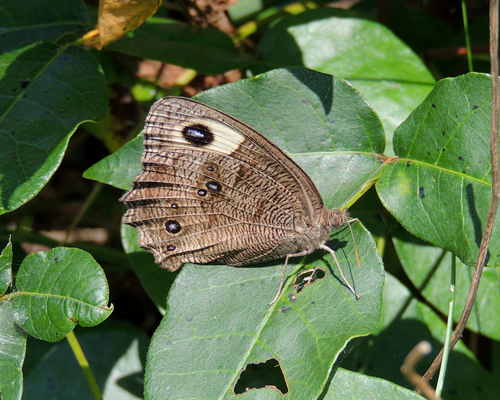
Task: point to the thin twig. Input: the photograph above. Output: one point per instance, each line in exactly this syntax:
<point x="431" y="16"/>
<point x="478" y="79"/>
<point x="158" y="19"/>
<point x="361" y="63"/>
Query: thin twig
<point x="457" y="334"/>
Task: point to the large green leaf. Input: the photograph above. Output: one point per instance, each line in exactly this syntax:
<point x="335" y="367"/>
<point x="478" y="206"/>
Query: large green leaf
<point x="58" y="290"/>
<point x="218" y="321"/>
<point x="29" y="21"/>
<point x="367" y="54"/>
<point x="45" y="93"/>
<point x="331" y="131"/>
<point x="441" y="187"/>
<point x="208" y="51"/>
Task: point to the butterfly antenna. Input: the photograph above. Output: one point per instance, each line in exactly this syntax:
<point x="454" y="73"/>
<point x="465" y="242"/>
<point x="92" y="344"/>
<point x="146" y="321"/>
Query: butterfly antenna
<point x="370" y="178"/>
<point x="354" y="241"/>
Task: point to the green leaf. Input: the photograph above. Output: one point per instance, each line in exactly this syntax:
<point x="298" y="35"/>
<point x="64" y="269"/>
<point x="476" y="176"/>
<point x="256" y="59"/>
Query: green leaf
<point x="13" y="349"/>
<point x="350" y="385"/>
<point x="46" y="92"/>
<point x="116" y="353"/>
<point x="120" y="168"/>
<point x="27" y="21"/>
<point x="367" y="54"/>
<point x="208" y="51"/>
<point x="404" y="323"/>
<point x="58" y="290"/>
<point x="429" y="268"/>
<point x="5" y="268"/>
<point x="219" y="319"/>
<point x="440" y="189"/>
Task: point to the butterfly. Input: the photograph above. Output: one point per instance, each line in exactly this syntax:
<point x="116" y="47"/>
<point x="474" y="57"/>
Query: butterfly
<point x="214" y="190"/>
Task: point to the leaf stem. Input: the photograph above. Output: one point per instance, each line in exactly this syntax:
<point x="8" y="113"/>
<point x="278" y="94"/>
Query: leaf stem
<point x="84" y="364"/>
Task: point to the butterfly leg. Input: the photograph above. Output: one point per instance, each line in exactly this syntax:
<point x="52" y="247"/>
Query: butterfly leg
<point x="324" y="247"/>
<point x="302" y="253"/>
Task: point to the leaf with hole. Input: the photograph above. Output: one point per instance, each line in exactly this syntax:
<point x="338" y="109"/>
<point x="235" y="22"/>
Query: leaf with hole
<point x="218" y="322"/>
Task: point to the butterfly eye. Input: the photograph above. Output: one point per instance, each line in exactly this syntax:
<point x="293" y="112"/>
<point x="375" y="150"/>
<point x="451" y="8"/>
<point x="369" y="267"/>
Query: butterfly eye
<point x="199" y="135"/>
<point x="215" y="186"/>
<point x="173" y="226"/>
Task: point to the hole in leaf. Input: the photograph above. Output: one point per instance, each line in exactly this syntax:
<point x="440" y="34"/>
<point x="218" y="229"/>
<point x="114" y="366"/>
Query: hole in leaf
<point x="284" y="309"/>
<point x="308" y="278"/>
<point x="260" y="375"/>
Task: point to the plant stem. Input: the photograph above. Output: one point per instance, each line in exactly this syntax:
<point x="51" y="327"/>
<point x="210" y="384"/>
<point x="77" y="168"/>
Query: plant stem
<point x="449" y="328"/>
<point x="467" y="39"/>
<point x="84" y="364"/>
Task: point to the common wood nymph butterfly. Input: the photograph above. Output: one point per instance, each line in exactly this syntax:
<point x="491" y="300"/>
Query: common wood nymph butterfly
<point x="213" y="189"/>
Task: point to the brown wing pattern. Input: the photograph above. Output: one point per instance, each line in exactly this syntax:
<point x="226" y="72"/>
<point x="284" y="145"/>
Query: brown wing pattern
<point x="213" y="189"/>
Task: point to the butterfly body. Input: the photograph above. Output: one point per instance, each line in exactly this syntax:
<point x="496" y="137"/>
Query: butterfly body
<point x="213" y="189"/>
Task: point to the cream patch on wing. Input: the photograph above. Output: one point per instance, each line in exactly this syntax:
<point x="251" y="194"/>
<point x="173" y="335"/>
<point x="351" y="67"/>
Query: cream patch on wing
<point x="206" y="134"/>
